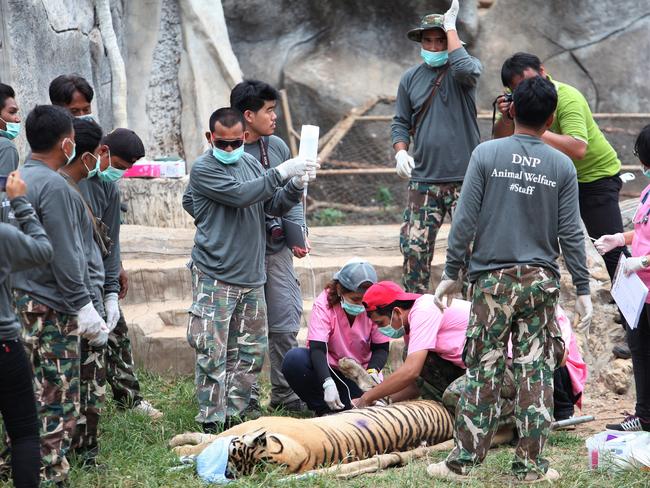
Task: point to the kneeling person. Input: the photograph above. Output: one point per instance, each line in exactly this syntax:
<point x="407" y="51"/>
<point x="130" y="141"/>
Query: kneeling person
<point x="338" y="329"/>
<point x="434" y="342"/>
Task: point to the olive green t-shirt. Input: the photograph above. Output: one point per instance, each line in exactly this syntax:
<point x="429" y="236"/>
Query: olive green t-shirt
<point x="573" y="118"/>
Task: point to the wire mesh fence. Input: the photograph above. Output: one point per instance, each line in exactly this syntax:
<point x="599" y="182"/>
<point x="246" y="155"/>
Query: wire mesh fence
<point x="357" y="183"/>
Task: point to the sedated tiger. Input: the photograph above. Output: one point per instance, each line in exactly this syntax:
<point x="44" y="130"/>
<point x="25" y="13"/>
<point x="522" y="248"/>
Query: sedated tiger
<point x="305" y="444"/>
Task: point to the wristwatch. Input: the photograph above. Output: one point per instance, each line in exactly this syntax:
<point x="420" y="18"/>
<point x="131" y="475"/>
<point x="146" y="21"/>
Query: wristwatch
<point x="644" y="262"/>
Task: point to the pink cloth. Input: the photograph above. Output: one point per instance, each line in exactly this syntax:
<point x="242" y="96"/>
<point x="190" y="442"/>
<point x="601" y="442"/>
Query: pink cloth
<point x="331" y="325"/>
<point x="641" y="238"/>
<point x="442" y="333"/>
<point x="576" y="367"/>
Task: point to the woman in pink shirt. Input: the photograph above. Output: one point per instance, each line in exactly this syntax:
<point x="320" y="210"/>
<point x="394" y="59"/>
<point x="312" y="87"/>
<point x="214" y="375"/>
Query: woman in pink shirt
<point x="338" y="328"/>
<point x="434" y="342"/>
<point x="638" y="339"/>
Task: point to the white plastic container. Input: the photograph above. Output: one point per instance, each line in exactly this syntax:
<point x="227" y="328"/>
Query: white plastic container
<point x="309" y="142"/>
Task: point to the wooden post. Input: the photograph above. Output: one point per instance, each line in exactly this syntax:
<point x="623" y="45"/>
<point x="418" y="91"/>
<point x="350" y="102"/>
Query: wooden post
<point x="339" y="131"/>
<point x="291" y="133"/>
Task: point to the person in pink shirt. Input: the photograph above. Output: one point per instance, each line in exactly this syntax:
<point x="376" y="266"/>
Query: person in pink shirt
<point x="638" y="339"/>
<point x="434" y="369"/>
<point x="338" y="328"/>
<point x="434" y="342"/>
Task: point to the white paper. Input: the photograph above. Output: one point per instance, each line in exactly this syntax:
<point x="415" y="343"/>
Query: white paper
<point x="309" y="142"/>
<point x="630" y="293"/>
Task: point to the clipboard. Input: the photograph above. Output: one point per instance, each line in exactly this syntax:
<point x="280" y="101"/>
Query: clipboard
<point x="294" y="234"/>
<point x="629" y="293"/>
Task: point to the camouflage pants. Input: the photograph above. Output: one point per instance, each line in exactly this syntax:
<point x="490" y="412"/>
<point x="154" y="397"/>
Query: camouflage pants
<point x="228" y="329"/>
<point x="92" y="396"/>
<point x="451" y="397"/>
<point x="120" y="370"/>
<point x="53" y="347"/>
<point x="518" y="301"/>
<point x="426" y="209"/>
<point x="436" y="376"/>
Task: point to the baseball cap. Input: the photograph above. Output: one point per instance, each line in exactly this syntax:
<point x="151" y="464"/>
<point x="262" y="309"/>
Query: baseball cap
<point x="125" y="144"/>
<point x="384" y="293"/>
<point x="430" y="21"/>
<point x="355" y="273"/>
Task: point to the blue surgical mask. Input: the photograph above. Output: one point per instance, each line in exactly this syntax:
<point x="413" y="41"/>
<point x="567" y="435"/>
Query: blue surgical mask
<point x="111" y="174"/>
<point x="226" y="157"/>
<point x="92" y="172"/>
<point x="351" y="308"/>
<point x="13" y="129"/>
<point x="86" y="117"/>
<point x="388" y="330"/>
<point x="434" y="59"/>
<point x="646" y="172"/>
<point x="74" y="150"/>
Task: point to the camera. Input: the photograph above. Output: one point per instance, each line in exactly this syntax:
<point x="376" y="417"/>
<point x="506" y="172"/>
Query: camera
<point x="507" y="97"/>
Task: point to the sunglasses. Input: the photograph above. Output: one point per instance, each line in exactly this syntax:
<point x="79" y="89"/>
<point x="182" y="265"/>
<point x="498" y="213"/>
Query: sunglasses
<point x="225" y="143"/>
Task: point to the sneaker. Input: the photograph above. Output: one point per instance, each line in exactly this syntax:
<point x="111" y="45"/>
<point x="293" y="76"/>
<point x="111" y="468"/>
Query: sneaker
<point x="548" y="477"/>
<point x="621" y="351"/>
<point x="631" y="423"/>
<point x="148" y="409"/>
<point x="441" y="471"/>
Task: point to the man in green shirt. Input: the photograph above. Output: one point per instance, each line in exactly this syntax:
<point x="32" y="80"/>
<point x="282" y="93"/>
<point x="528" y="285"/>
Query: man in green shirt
<point x="576" y="134"/>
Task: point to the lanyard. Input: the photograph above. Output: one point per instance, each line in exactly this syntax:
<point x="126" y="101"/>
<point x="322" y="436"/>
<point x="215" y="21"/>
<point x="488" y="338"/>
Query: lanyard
<point x="644" y="219"/>
<point x="264" y="156"/>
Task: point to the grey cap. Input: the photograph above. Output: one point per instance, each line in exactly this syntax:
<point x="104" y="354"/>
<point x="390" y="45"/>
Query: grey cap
<point x="355" y="273"/>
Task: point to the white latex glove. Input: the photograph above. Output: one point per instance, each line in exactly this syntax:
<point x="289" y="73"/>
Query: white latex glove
<point x="632" y="265"/>
<point x="445" y="288"/>
<point x="405" y="164"/>
<point x="331" y="395"/>
<point x="292" y="167"/>
<point x="585" y="310"/>
<point x="112" y="311"/>
<point x="100" y="339"/>
<point x="90" y="323"/>
<point x="606" y="243"/>
<point x="449" y="20"/>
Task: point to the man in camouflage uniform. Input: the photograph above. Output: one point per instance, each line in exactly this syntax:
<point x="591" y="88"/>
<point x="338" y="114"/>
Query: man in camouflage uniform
<point x="53" y="302"/>
<point x="436" y="106"/>
<point x="120" y="149"/>
<point x="228" y="194"/>
<point x="519" y="203"/>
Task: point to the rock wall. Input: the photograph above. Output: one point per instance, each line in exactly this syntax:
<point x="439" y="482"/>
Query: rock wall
<point x="330" y="55"/>
<point x="600" y="47"/>
<point x="179" y="62"/>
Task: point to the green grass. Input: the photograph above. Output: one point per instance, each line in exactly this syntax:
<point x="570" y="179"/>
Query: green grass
<point x="134" y="451"/>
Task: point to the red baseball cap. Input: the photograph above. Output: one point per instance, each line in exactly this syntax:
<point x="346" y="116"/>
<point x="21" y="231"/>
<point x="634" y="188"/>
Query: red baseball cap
<point x="384" y="293"/>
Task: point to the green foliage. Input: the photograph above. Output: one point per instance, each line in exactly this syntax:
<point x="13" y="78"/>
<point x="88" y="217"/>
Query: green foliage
<point x="384" y="196"/>
<point x="329" y="216"/>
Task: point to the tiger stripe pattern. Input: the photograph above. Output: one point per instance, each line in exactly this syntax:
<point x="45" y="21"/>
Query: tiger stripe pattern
<point x="305" y="444"/>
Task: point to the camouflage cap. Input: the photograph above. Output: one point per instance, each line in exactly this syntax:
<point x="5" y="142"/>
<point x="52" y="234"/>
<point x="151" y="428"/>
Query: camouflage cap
<point x="430" y="21"/>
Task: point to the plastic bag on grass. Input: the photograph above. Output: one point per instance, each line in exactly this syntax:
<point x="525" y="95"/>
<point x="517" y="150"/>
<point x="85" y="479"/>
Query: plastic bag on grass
<point x="618" y="450"/>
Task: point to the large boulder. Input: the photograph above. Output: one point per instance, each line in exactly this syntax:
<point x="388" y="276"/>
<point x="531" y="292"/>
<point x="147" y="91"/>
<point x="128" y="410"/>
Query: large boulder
<point x="600" y="47"/>
<point x="334" y="55"/>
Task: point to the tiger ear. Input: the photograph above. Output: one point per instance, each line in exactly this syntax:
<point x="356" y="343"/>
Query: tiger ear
<point x="256" y="438"/>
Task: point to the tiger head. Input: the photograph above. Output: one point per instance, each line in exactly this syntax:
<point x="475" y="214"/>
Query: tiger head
<point x="253" y="448"/>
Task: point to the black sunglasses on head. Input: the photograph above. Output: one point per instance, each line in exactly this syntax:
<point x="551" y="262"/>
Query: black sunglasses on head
<point x="225" y="143"/>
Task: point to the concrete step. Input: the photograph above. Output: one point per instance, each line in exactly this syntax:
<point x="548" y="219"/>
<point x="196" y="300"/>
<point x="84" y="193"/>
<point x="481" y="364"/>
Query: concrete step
<point x="156" y="258"/>
<point x="160" y="290"/>
<point x="158" y="333"/>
